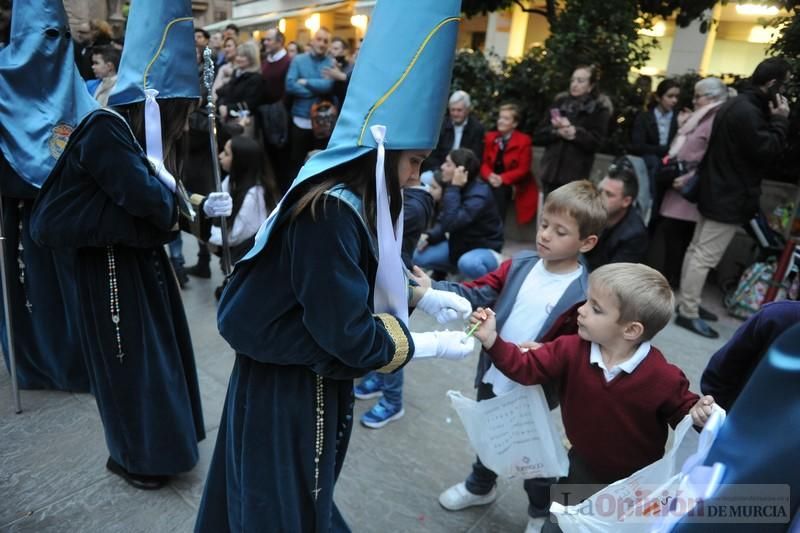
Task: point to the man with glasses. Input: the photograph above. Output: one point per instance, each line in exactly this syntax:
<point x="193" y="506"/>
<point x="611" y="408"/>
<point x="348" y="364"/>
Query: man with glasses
<point x="625" y="238"/>
<point x="749" y="133"/>
<point x="307" y="85"/>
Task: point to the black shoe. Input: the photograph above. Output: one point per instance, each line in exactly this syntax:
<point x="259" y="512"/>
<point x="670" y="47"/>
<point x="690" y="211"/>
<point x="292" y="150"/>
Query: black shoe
<point x="705" y="314"/>
<point x="180" y="273"/>
<point x="200" y="270"/>
<point x="696" y="325"/>
<point x="139" y="481"/>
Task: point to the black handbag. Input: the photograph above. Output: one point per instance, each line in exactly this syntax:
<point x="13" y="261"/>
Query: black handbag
<point x="670" y="170"/>
<point x="690" y="190"/>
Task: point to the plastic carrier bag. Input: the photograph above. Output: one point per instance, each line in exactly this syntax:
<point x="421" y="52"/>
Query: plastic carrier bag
<point x="645" y="500"/>
<point x="514" y="434"/>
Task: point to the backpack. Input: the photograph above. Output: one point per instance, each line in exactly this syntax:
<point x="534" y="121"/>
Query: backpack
<point x="274" y="124"/>
<point x="323" y="119"/>
<point x="748" y="297"/>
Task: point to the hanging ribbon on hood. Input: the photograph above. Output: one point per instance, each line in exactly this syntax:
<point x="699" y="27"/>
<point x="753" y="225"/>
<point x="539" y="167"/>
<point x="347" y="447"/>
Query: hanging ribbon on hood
<point x="390" y="280"/>
<point x="153" y="140"/>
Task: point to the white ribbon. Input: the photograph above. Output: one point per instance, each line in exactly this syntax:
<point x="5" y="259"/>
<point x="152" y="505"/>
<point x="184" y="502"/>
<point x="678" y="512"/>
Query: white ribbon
<point x="391" y="293"/>
<point x="152" y="126"/>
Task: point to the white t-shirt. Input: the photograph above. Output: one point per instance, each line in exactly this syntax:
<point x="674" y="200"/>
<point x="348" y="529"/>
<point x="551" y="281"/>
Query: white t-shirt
<point x="251" y="215"/>
<point x="536" y="299"/>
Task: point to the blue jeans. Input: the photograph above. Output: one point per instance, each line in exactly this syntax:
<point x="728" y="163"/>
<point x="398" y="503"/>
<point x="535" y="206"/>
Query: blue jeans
<point x="176" y="251"/>
<point x="391" y="385"/>
<point x="472" y="264"/>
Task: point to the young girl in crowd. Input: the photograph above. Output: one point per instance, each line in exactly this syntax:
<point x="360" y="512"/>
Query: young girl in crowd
<point x="252" y="186"/>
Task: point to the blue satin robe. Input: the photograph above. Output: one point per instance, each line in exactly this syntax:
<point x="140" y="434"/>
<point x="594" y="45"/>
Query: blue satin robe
<point x="300" y="309"/>
<point x="103" y="192"/>
<point x="43" y="307"/>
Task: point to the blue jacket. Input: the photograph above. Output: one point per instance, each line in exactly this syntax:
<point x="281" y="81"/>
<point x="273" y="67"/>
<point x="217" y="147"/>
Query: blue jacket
<point x="469" y="214"/>
<point x="499" y="290"/>
<point x="308" y="67"/>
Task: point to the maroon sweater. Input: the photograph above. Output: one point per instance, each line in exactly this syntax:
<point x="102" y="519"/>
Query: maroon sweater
<point x="274" y="75"/>
<point x="616" y="427"/>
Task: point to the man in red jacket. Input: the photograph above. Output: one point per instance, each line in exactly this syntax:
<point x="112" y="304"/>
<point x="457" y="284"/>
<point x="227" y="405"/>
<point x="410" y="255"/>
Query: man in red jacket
<point x="617" y="392"/>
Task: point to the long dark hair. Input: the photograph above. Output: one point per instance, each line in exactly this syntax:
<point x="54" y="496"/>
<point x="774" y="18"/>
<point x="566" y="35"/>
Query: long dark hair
<point x="464" y="157"/>
<point x="248" y="169"/>
<point x="174" y="115"/>
<point x="357" y="175"/>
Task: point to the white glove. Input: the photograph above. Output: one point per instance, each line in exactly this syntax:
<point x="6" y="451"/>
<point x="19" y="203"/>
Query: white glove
<point x="218" y="204"/>
<point x="215" y="237"/>
<point x="444" y="306"/>
<point x="442" y="344"/>
<point x="162" y="173"/>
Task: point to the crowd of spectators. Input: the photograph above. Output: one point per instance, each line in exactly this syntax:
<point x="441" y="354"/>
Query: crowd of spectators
<point x="286" y="98"/>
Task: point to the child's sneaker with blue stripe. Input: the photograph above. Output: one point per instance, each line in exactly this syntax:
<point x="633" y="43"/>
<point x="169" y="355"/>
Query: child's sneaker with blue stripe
<point x="369" y="388"/>
<point x="381" y="414"/>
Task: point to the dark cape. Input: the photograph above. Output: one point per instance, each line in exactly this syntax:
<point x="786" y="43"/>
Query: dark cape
<point x="103" y="200"/>
<point x="300" y="316"/>
<point x="43" y="299"/>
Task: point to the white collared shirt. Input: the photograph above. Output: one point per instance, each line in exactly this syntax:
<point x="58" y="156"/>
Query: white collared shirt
<point x="596" y="358"/>
<point x="277" y="56"/>
<point x="458" y="131"/>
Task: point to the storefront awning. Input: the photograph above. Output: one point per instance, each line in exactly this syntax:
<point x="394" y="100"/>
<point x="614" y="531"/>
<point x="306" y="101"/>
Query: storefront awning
<point x="274" y="16"/>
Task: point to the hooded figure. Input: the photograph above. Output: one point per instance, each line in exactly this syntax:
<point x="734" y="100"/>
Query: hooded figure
<point x="115" y="205"/>
<point x="36" y="120"/>
<point x="321" y="298"/>
<point x="757" y="446"/>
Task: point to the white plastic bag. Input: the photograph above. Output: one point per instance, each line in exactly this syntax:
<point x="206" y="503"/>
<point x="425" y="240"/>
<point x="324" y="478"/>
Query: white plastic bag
<point x="636" y="504"/>
<point x="514" y="434"/>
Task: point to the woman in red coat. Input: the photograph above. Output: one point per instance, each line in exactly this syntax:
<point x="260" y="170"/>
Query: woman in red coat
<point x="507" y="156"/>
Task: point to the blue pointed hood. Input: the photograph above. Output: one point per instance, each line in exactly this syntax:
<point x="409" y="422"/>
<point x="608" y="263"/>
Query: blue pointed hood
<point x="42" y="95"/>
<point x="159" y="53"/>
<point x="401" y="81"/>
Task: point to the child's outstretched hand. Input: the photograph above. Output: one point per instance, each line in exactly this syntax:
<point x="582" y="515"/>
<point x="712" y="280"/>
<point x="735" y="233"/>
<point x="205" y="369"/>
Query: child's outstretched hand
<point x="701" y="411"/>
<point x="486" y="332"/>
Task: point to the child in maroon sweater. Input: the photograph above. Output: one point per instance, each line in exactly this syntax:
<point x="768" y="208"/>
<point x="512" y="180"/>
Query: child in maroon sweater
<point x="617" y="392"/>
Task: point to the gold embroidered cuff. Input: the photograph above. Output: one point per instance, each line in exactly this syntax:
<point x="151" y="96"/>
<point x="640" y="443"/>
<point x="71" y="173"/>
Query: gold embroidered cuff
<point x="401" y="343"/>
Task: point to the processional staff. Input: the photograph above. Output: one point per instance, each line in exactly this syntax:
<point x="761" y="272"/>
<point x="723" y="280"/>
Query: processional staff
<point x="208" y="80"/>
<point x="12" y="356"/>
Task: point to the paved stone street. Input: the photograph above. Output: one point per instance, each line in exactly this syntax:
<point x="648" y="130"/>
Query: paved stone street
<point x="52" y="456"/>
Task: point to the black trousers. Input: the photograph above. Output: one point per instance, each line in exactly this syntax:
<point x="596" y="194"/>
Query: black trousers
<point x="300" y="143"/>
<point x="668" y="243"/>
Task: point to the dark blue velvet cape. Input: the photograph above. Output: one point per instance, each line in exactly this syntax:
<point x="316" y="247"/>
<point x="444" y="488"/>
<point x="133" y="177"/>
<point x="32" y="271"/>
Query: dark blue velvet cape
<point x="102" y="192"/>
<point x="301" y="308"/>
<point x="46" y="342"/>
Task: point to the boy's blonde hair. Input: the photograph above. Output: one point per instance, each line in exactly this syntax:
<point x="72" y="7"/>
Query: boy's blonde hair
<point x="642" y="292"/>
<point x="580" y="200"/>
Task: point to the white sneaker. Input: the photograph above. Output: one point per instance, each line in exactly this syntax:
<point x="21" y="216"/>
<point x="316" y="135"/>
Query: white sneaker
<point x="458" y="497"/>
<point x="535" y="525"/>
